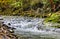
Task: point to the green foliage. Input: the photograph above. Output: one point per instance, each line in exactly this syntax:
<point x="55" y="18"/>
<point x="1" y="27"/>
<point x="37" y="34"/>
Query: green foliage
<point x="33" y="2"/>
<point x="45" y="1"/>
<point x="17" y="4"/>
<point x="53" y="18"/>
<point x="10" y="5"/>
<point x="55" y="1"/>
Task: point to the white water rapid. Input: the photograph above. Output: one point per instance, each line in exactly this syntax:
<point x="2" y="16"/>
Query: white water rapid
<point x="31" y="27"/>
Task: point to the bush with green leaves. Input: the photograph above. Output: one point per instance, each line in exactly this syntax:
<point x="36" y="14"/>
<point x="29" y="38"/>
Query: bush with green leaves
<point x="14" y="6"/>
<point x="55" y="18"/>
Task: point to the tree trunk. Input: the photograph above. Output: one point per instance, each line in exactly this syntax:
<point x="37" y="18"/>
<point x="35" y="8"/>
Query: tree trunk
<point x="52" y="5"/>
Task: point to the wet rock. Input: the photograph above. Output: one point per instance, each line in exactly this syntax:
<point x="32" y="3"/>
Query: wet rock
<point x="40" y="27"/>
<point x="57" y="30"/>
<point x="6" y="32"/>
<point x="47" y="29"/>
<point x="9" y="24"/>
<point x="29" y="20"/>
<point x="1" y="19"/>
<point x="2" y="22"/>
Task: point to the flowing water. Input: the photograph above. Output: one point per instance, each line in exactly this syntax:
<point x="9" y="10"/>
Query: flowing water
<point x="31" y="28"/>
